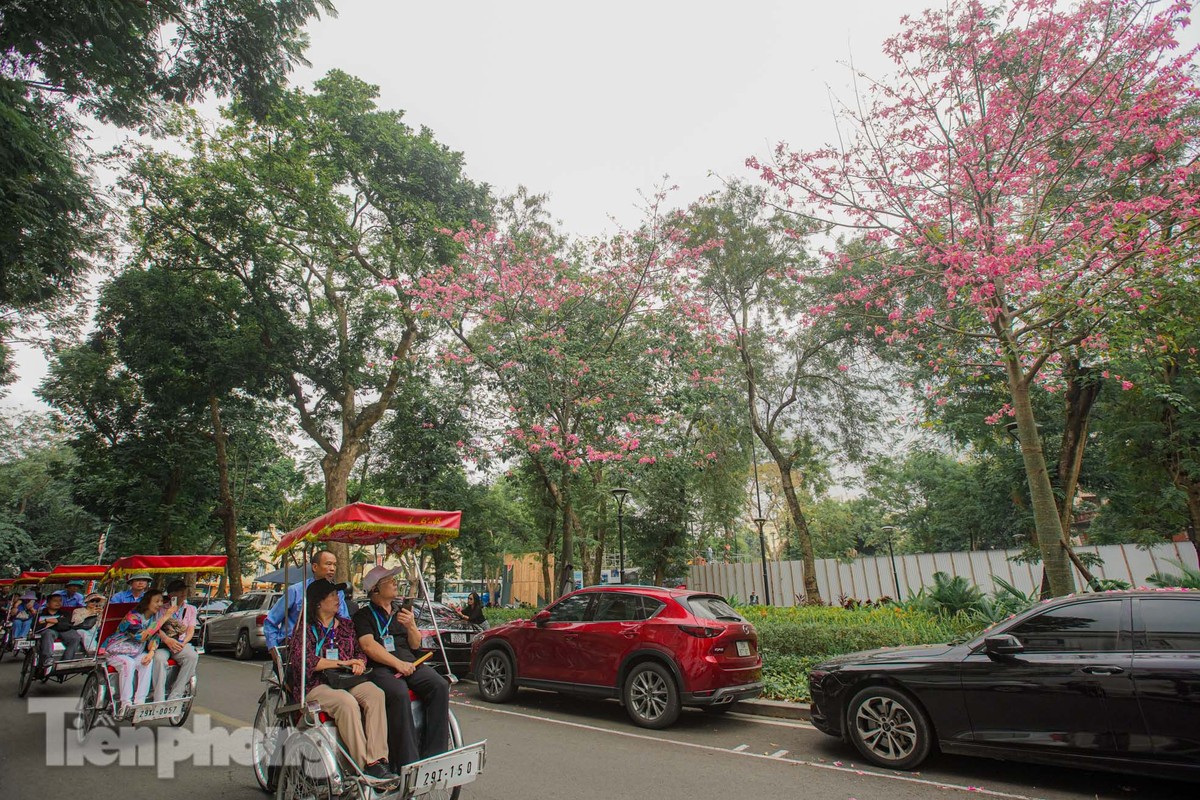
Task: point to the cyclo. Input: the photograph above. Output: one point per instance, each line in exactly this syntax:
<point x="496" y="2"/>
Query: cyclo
<point x="98" y="703"/>
<point x="5" y="621"/>
<point x="295" y="746"/>
<point x="17" y="645"/>
<point x="58" y="670"/>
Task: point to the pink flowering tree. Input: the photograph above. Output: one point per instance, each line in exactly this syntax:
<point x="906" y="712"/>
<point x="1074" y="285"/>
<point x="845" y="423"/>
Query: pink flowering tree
<point x="581" y="354"/>
<point x="1018" y="181"/>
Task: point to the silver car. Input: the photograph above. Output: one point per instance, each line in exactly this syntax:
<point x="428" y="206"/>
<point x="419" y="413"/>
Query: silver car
<point x="241" y="625"/>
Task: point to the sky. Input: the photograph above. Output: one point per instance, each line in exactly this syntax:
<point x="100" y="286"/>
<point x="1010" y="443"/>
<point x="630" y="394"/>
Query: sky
<point x="593" y="102"/>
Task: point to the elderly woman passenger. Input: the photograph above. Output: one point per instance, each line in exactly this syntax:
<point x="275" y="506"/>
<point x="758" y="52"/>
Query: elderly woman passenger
<point x="332" y="655"/>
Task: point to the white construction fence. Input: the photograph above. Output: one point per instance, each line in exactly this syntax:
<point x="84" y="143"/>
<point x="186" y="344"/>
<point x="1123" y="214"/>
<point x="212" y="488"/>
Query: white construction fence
<point x="870" y="577"/>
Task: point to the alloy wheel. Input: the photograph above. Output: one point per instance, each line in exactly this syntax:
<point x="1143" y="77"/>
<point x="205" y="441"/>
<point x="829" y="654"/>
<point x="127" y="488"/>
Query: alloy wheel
<point x="886" y="728"/>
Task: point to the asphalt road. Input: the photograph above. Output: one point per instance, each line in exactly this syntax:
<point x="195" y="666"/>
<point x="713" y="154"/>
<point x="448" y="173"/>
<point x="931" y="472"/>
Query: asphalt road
<point x="544" y="745"/>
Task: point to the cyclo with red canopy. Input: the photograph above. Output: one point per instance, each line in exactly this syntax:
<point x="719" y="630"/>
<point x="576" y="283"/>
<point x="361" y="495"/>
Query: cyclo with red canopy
<point x="58" y="670"/>
<point x="14" y="644"/>
<point x="98" y="703"/>
<point x="296" y="750"/>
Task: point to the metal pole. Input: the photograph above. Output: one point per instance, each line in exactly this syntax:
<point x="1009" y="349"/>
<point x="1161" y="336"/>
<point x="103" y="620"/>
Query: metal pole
<point x="620" y="494"/>
<point x="762" y="545"/>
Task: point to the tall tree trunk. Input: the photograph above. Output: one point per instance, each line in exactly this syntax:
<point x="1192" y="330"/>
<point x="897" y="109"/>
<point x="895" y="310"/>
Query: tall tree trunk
<point x="1081" y="394"/>
<point x="226" y="511"/>
<point x="336" y="468"/>
<point x="1047" y="524"/>
<point x="812" y="592"/>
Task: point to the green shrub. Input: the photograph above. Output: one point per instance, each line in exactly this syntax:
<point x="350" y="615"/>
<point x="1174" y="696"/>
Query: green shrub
<point x="1188" y="578"/>
<point x="499" y="616"/>
<point x="794" y="640"/>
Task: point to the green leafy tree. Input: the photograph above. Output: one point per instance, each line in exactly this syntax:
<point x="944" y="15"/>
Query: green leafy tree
<point x="804" y="399"/>
<point x="122" y="63"/>
<point x="326" y="212"/>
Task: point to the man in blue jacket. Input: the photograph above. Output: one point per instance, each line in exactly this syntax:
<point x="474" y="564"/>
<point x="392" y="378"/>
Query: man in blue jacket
<point x="275" y="629"/>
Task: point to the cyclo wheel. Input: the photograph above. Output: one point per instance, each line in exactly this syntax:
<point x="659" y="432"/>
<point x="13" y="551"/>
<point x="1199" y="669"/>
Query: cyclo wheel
<point x="189" y="693"/>
<point x="28" y="667"/>
<point x="303" y="774"/>
<point x="266" y="737"/>
<point x="5" y="641"/>
<point x="93" y="701"/>
<point x="454" y="743"/>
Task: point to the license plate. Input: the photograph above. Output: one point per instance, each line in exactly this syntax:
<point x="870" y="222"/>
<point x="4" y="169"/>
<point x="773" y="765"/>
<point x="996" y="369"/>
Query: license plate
<point x="460" y="638"/>
<point x="743" y="649"/>
<point x="153" y="711"/>
<point x="23" y="644"/>
<point x="445" y="771"/>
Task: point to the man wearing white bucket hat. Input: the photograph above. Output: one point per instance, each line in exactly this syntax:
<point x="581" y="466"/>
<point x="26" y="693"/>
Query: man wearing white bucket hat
<point x="388" y="636"/>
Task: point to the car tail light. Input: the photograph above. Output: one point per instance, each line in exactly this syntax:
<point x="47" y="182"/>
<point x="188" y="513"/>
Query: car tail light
<point x="702" y="631"/>
<point x="260" y="620"/>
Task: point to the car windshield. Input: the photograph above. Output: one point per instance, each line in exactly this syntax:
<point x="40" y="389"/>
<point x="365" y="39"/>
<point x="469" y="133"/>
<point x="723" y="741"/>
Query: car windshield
<point x="714" y="608"/>
<point x="444" y="614"/>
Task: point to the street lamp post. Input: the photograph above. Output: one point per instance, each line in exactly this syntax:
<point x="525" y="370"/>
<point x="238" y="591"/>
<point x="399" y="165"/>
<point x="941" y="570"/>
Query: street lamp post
<point x="891" y="532"/>
<point x="762" y="547"/>
<point x="620" y="494"/>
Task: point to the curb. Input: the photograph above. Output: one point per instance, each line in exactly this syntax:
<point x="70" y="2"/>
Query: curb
<point x="775" y="708"/>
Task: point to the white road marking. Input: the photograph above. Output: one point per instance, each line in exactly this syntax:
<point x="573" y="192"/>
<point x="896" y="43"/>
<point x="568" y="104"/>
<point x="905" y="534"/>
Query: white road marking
<point x="975" y="790"/>
<point x="740" y="748"/>
<point x="779" y="754"/>
<point x="224" y="719"/>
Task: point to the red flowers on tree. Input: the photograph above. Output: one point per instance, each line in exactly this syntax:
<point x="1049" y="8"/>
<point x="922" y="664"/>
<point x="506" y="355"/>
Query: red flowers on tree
<point x="1022" y="179"/>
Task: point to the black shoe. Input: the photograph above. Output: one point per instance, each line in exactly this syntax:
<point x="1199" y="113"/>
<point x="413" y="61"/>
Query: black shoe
<point x="380" y="772"/>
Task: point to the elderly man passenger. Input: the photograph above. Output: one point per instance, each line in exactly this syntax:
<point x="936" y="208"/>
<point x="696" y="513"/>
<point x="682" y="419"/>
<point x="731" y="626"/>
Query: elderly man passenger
<point x="177" y="646"/>
<point x="388" y="636"/>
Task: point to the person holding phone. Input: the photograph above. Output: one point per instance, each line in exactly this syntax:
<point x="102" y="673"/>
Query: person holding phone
<point x="176" y="637"/>
<point x="388" y="636"/>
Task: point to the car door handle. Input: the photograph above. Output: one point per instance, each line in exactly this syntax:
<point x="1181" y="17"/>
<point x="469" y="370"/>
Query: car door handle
<point x="1103" y="670"/>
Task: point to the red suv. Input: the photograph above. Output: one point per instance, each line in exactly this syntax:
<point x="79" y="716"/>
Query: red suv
<point x="653" y="649"/>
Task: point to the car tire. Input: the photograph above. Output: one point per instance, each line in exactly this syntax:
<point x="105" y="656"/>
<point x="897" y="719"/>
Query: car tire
<point x="651" y="696"/>
<point x="242" y="651"/>
<point x="497" y="680"/>
<point x="889" y="728"/>
<point x="204" y="643"/>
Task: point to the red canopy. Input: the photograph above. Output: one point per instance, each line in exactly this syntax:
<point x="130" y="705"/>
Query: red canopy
<point x="29" y="576"/>
<point x="65" y="572"/>
<point x="363" y="523"/>
<point x="157" y="565"/>
<point x="7" y="581"/>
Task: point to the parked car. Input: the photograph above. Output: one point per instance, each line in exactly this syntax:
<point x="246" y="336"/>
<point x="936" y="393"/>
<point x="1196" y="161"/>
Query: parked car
<point x="653" y="649"/>
<point x="206" y="610"/>
<point x="240" y="626"/>
<point x="1105" y="681"/>
<point x="457" y="636"/>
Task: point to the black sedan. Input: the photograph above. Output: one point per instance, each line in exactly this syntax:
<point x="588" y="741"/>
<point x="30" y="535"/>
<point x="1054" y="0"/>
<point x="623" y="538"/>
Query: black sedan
<point x="1102" y="681"/>
<point x="456" y="636"/>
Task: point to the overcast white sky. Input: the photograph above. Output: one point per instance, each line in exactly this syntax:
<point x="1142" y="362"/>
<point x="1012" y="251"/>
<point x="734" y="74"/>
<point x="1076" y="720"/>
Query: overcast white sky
<point x="591" y="102"/>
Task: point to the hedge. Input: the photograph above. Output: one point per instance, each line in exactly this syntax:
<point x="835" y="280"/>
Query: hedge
<point x="793" y="640"/>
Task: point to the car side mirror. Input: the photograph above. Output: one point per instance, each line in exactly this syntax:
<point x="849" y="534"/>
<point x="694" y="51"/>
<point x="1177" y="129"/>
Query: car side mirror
<point x="1004" y="645"/>
<point x="541" y="618"/>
